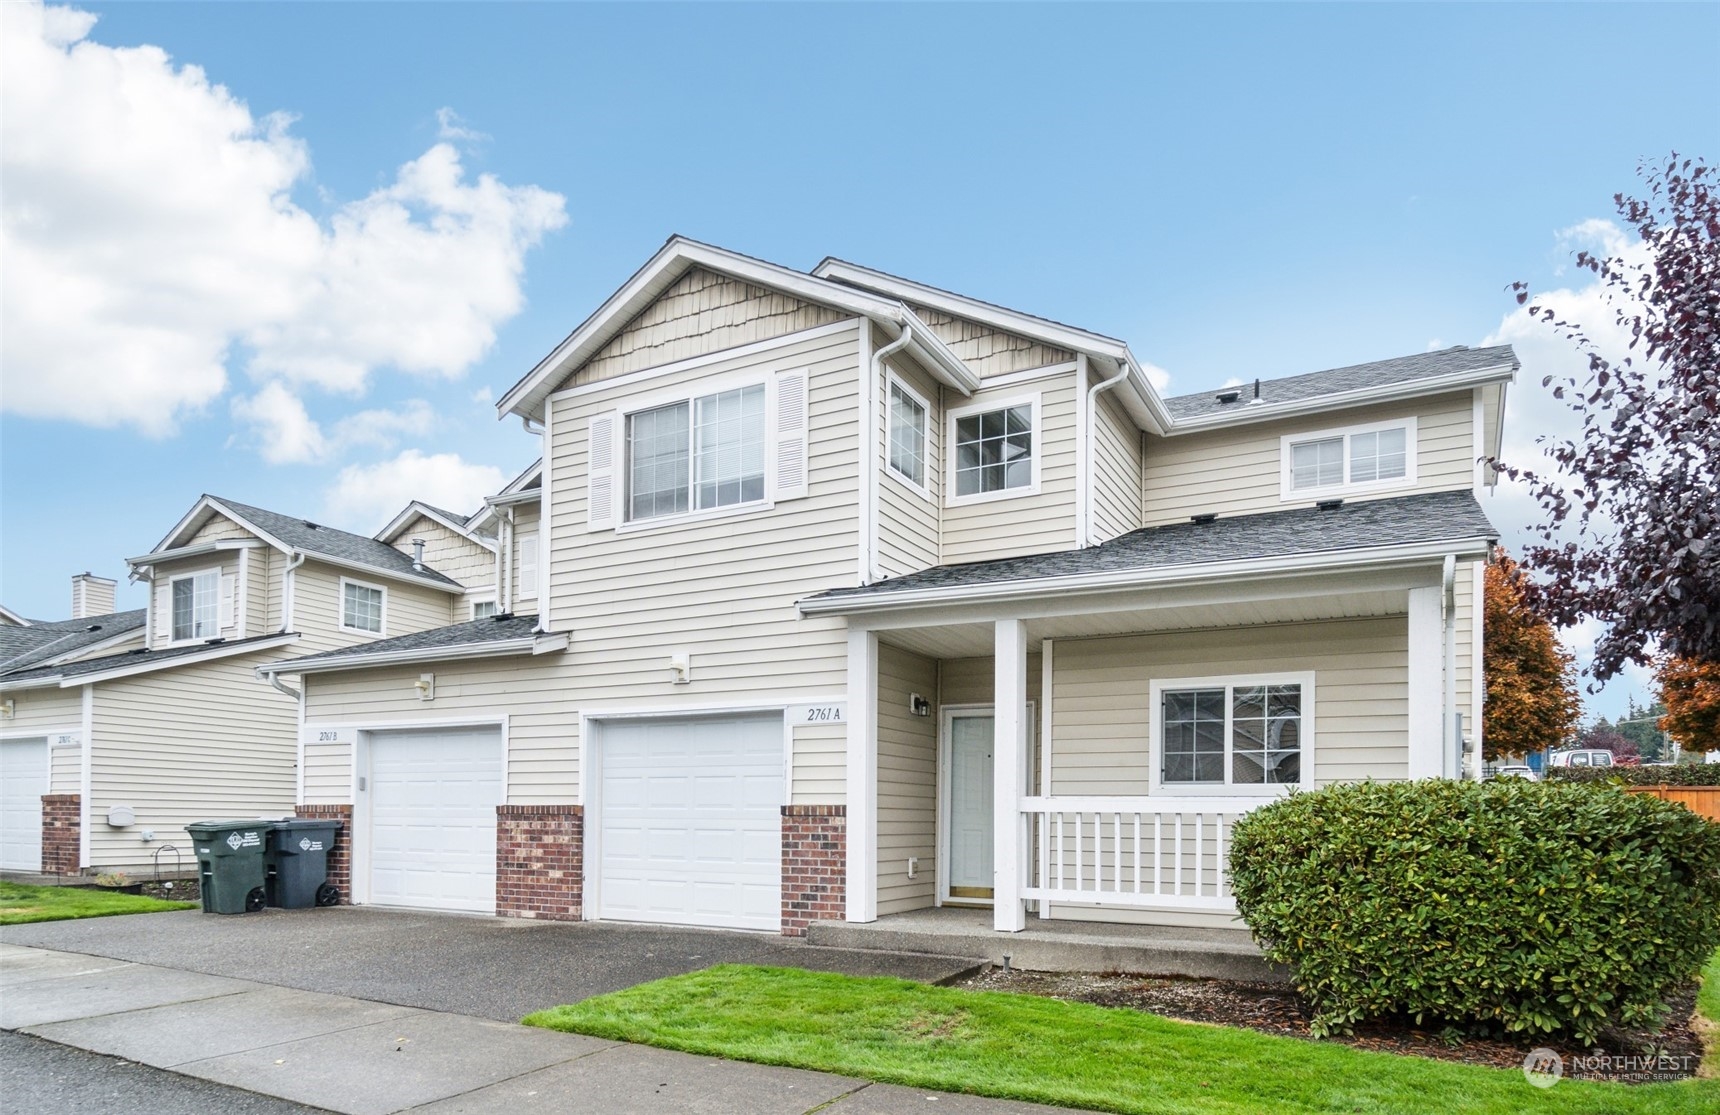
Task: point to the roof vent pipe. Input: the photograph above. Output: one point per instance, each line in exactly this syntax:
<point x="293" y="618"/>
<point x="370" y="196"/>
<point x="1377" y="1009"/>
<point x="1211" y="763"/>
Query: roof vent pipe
<point x="418" y="555"/>
<point x="1257" y="400"/>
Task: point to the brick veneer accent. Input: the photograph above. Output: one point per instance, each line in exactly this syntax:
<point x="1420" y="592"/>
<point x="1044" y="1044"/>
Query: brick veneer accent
<point x="814" y="865"/>
<point x="540" y="861"/>
<point x="62" y="830"/>
<point x="340" y="855"/>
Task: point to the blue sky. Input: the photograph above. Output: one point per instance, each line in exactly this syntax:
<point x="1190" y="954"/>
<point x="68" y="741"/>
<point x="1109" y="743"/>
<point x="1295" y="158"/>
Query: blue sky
<point x="1237" y="190"/>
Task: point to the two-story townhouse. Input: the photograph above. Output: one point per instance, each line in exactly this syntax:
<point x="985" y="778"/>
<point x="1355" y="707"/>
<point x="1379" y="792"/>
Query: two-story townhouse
<point x="111" y="749"/>
<point x="859" y="597"/>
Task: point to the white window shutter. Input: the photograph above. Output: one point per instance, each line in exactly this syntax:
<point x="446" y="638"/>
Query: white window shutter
<point x="600" y="480"/>
<point x="791" y="434"/>
<point x="164" y="611"/>
<point x="528" y="566"/>
<point x="229" y="601"/>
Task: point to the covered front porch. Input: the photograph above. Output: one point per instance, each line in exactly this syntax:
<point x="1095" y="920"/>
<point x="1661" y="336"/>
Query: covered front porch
<point x="1082" y="756"/>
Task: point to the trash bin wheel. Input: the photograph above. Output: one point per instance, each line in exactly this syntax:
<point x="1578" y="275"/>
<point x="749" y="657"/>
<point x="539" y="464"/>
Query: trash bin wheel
<point x="328" y="895"/>
<point x="256" y="900"/>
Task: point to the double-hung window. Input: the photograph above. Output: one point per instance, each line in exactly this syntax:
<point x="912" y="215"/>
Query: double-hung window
<point x="361" y="607"/>
<point x="909" y="424"/>
<point x="1242" y="732"/>
<point x="1360" y="458"/>
<point x="483" y="609"/>
<point x="696" y="454"/>
<point x="196" y="605"/>
<point x="994" y="449"/>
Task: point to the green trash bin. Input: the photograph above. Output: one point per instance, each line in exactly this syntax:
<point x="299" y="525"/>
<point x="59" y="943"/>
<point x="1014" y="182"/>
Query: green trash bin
<point x="298" y="863"/>
<point x="230" y="864"/>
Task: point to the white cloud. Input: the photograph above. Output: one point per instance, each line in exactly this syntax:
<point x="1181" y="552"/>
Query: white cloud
<point x="451" y="126"/>
<point x="285" y="433"/>
<point x="366" y="496"/>
<point x="484" y="395"/>
<point x="151" y="239"/>
<point x="1157" y="376"/>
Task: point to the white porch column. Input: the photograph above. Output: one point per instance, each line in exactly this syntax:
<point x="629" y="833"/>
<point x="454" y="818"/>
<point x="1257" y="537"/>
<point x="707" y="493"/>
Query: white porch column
<point x="1426" y="660"/>
<point x="1008" y="764"/>
<point x="862" y="791"/>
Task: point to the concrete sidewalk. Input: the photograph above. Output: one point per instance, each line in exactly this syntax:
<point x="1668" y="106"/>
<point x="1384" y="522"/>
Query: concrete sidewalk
<point x="366" y="1058"/>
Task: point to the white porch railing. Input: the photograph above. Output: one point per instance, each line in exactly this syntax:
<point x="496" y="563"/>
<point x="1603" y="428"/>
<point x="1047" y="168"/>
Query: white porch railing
<point x="1133" y="852"/>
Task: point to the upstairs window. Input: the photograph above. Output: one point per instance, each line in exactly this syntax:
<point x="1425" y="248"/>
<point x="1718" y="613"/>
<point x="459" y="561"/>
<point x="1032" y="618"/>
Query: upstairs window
<point x="483" y="609"/>
<point x="1234" y="732"/>
<point x="995" y="450"/>
<point x="908" y="430"/>
<point x="1360" y="458"/>
<point x="196" y="606"/>
<point x="361" y="607"/>
<point x="696" y="454"/>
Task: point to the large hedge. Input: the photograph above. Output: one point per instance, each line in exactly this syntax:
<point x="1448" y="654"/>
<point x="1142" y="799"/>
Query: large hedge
<point x="1684" y="774"/>
<point x="1531" y="907"/>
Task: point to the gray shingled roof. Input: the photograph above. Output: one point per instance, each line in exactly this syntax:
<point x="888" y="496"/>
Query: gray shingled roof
<point x="129" y="658"/>
<point x="1424" y="517"/>
<point x="21" y="647"/>
<point x="1380" y="373"/>
<point x="314" y="538"/>
<point x="474" y="633"/>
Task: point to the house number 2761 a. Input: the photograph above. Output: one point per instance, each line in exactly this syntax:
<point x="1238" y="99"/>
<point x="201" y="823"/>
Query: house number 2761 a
<point x="831" y="713"/>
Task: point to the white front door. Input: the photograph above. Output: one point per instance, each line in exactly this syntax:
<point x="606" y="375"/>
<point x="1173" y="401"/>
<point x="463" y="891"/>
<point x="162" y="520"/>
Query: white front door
<point x="23" y="781"/>
<point x="970" y="811"/>
<point x="691" y="820"/>
<point x="433" y="798"/>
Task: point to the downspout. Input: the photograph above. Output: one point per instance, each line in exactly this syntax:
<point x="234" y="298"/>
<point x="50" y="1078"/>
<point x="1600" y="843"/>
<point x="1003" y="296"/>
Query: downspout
<point x="1448" y="703"/>
<point x="527" y="422"/>
<point x="274" y="680"/>
<point x="1093" y="394"/>
<point x="870" y="447"/>
<point x="289" y="589"/>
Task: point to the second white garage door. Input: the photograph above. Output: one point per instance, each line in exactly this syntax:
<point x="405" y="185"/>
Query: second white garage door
<point x="433" y="798"/>
<point x="23" y="781"/>
<point x="692" y="821"/>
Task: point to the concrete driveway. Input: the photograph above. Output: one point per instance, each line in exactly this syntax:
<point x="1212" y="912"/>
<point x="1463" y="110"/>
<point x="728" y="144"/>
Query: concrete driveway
<point x="499" y="968"/>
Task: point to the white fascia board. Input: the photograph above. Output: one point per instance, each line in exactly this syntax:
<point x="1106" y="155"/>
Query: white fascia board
<point x="453" y="588"/>
<point x="1408" y="389"/>
<point x="415" y="509"/>
<point x="210" y="503"/>
<point x="499" y="648"/>
<point x="531" y="472"/>
<point x="675" y="259"/>
<point x="1164" y="575"/>
<point x="219" y="650"/>
<point x="199" y="550"/>
<point x="14" y="617"/>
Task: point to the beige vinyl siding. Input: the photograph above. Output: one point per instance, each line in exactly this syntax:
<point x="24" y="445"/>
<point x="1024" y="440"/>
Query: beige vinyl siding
<point x="820" y="765"/>
<point x="1236" y="471"/>
<point x="449" y="552"/>
<point x="45" y="712"/>
<point x="907" y="781"/>
<point x="1468" y="574"/>
<point x="988" y="351"/>
<point x="186" y="744"/>
<point x="527" y="520"/>
<point x="908" y="521"/>
<point x="317" y="608"/>
<point x="702" y="312"/>
<point x="219" y="528"/>
<point x="1026" y="524"/>
<point x="263" y="571"/>
<point x="1116" y="463"/>
<point x="1101" y="696"/>
<point x="1492" y="396"/>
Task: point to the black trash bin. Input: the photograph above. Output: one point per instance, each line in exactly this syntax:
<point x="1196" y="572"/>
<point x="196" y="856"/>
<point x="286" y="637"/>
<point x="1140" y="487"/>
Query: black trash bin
<point x="298" y="864"/>
<point x="230" y="864"/>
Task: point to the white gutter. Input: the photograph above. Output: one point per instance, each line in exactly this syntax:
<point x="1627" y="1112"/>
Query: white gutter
<point x="1084" y="460"/>
<point x="274" y="679"/>
<point x="1190" y="573"/>
<point x="1267" y="412"/>
<point x="379" y="571"/>
<point x="869" y="457"/>
<point x="499" y="648"/>
<point x="147" y="560"/>
<point x="1448" y="704"/>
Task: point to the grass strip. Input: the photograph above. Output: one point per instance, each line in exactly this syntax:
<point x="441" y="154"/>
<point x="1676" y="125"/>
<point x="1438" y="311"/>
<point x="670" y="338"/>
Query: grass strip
<point x="1044" y="1050"/>
<point x="20" y="904"/>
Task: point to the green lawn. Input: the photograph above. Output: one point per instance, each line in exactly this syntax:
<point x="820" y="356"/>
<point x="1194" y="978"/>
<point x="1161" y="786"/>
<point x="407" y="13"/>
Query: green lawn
<point x="19" y="904"/>
<point x="1050" y="1051"/>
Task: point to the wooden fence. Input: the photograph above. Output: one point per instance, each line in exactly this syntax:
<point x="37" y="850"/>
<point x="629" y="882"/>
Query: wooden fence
<point x="1704" y="801"/>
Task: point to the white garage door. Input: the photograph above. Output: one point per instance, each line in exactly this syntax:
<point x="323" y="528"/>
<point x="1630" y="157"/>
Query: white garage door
<point x="692" y="821"/>
<point x="433" y="798"/>
<point x="23" y="781"/>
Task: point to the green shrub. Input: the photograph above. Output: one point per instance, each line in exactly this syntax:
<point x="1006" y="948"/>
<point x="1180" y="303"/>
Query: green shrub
<point x="1531" y="907"/>
<point x="1697" y="774"/>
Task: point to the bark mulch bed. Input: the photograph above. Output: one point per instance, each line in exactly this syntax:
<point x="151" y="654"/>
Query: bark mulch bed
<point x="1277" y="1009"/>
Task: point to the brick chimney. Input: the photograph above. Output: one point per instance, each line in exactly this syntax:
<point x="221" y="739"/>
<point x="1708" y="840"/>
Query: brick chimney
<point x="92" y="595"/>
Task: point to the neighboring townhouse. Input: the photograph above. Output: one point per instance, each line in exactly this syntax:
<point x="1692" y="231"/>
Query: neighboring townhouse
<point x="115" y="738"/>
<point x="855" y="597"/>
